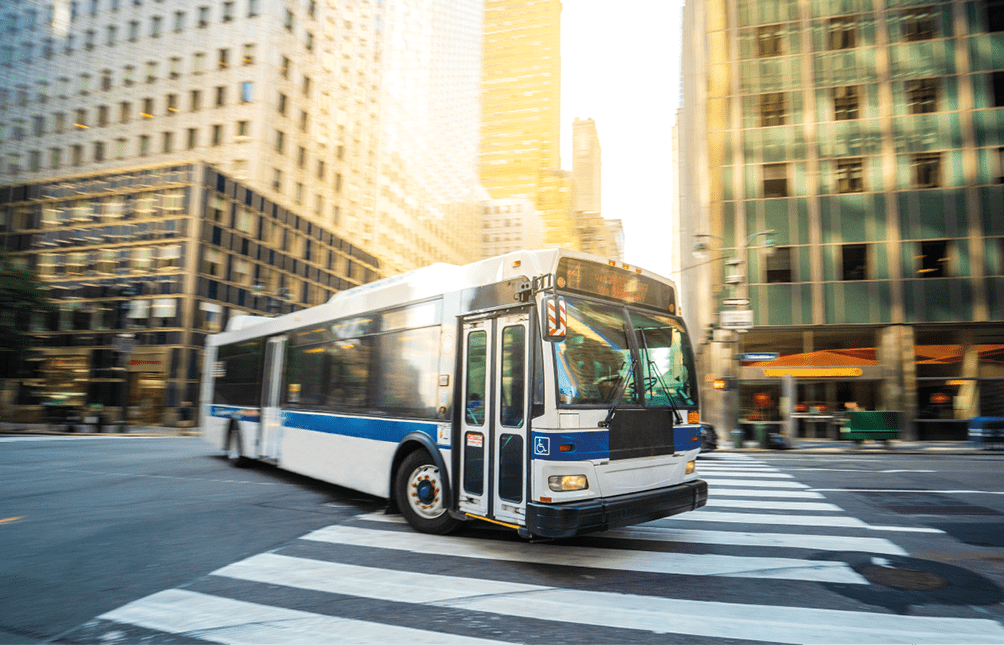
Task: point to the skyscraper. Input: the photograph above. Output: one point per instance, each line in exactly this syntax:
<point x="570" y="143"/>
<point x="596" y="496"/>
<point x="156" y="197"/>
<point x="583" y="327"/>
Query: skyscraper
<point x="866" y="138"/>
<point x="521" y="110"/>
<point x="362" y="114"/>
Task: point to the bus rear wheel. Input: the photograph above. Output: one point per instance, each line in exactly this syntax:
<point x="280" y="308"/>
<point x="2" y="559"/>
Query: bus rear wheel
<point x="418" y="488"/>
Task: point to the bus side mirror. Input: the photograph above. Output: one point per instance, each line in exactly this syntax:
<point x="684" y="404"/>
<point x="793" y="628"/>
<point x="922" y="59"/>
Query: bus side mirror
<point x="555" y="320"/>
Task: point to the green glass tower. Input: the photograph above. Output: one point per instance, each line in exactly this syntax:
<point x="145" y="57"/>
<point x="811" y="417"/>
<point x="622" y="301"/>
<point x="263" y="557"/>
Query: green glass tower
<point x="868" y="136"/>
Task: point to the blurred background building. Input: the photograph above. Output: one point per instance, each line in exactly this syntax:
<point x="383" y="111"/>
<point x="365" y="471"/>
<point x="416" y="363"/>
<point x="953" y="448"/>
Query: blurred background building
<point x="595" y="234"/>
<point x="510" y="225"/>
<point x="143" y="264"/>
<point x="521" y="111"/>
<point x="867" y="137"/>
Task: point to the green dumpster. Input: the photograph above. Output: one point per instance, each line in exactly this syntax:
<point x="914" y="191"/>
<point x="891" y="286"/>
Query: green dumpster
<point x="877" y="424"/>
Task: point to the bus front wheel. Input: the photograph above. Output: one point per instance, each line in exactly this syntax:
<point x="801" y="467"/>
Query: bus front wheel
<point x="418" y="488"/>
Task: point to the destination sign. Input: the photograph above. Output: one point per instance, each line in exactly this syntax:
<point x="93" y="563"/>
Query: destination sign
<point x="759" y="356"/>
<point x="613" y="282"/>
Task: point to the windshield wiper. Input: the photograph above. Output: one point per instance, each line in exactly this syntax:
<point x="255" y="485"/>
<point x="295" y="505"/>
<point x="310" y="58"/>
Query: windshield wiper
<point x="658" y="375"/>
<point x="622" y="382"/>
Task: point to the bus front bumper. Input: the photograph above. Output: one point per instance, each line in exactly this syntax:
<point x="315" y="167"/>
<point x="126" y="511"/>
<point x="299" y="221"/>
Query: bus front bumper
<point x="576" y="518"/>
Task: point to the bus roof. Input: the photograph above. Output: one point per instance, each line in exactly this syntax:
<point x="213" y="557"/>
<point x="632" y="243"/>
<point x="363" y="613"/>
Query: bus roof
<point x="420" y="284"/>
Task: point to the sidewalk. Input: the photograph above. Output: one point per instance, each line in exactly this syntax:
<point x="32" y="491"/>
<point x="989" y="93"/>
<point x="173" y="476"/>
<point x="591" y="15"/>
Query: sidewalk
<point x="892" y="447"/>
<point x="86" y="430"/>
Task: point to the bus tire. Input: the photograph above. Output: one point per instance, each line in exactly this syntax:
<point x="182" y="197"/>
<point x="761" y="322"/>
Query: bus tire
<point x="418" y="489"/>
<point x="234" y="451"/>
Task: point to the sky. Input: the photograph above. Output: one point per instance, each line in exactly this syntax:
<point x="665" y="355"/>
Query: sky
<point x="620" y="66"/>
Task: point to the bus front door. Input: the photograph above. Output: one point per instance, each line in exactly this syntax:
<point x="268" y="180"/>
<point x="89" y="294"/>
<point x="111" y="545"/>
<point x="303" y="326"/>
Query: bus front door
<point x="270" y="428"/>
<point x="494" y="426"/>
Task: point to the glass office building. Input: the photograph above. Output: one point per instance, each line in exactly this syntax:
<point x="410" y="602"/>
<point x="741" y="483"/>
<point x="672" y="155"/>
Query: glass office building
<point x="142" y="265"/>
<point x="868" y="136"/>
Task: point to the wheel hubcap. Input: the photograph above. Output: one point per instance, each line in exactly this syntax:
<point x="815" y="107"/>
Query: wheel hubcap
<point x="424" y="488"/>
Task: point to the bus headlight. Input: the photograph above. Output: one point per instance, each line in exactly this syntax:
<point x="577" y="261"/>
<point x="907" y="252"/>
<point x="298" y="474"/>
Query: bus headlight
<point x="691" y="466"/>
<point x="559" y="483"/>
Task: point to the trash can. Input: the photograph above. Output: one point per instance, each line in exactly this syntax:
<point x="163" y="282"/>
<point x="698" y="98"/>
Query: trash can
<point x="737" y="438"/>
<point x="760" y="434"/>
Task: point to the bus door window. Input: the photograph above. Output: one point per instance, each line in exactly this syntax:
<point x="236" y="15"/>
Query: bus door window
<point x="475" y="391"/>
<point x="511" y="412"/>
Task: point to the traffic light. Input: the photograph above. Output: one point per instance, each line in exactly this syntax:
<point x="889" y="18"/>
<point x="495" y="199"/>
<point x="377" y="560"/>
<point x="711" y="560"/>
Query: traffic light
<point x="724" y="383"/>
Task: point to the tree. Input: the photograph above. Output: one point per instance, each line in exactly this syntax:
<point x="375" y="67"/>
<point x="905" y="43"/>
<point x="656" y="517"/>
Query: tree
<point x="21" y="295"/>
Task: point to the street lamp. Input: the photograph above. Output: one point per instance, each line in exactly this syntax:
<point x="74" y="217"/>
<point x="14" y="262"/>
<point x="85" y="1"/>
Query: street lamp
<point x="739" y="318"/>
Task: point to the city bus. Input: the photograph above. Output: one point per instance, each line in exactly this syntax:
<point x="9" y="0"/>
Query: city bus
<point x="551" y="392"/>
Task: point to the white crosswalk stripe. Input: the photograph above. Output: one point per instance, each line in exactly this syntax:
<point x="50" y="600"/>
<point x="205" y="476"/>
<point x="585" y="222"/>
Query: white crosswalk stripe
<point x="356" y="560"/>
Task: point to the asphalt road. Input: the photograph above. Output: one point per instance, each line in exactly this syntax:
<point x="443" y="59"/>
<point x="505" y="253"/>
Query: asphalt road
<point x="89" y="525"/>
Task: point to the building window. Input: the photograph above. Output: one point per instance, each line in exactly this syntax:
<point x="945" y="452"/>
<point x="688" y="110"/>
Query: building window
<point x="39" y="125"/>
<point x="151" y="71"/>
<point x="282" y="104"/>
<point x="112" y="33"/>
<point x="248" y="57"/>
<point x="276" y="179"/>
<point x="845" y="103"/>
<point x="155" y="23"/>
<point x="174" y="67"/>
<point x="290" y="19"/>
<point x="199" y="62"/>
<point x="106" y="80"/>
<point x="779" y="265"/>
<point x="168" y="141"/>
<point x="120" y="148"/>
<point x="309" y="43"/>
<point x="179" y="21"/>
<point x="1000" y="165"/>
<point x="284" y="67"/>
<point x="842" y="33"/>
<point x="243" y="129"/>
<point x="99" y="151"/>
<point x="55" y="158"/>
<point x="252" y="8"/>
<point x="306" y="86"/>
<point x="224" y="58"/>
<point x="338" y="182"/>
<point x="193" y="138"/>
<point x="301" y="159"/>
<point x="772" y="109"/>
<point x="280" y="140"/>
<point x="79" y="120"/>
<point x="196" y="100"/>
<point x="228" y="11"/>
<point x="144" y="145"/>
<point x="172" y="104"/>
<point x="304" y="120"/>
<point x="247" y="91"/>
<point x="221" y="95"/>
<point x="320" y="170"/>
<point x="203" y="16"/>
<point x="775" y="180"/>
<point x="102" y="115"/>
<point x="934" y="259"/>
<point x="998" y="82"/>
<point x="133" y="30"/>
<point x="148" y="108"/>
<point x="927" y="170"/>
<point x="769" y="39"/>
<point x="298" y="196"/>
<point x="995" y="15"/>
<point x="922" y="95"/>
<point x="217" y="134"/>
<point x="855" y="261"/>
<point x="125" y="109"/>
<point x="849" y="175"/>
<point x="35" y="160"/>
<point x="918" y="24"/>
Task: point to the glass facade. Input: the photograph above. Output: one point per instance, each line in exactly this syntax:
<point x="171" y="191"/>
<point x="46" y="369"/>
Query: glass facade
<point x="866" y="136"/>
<point x="142" y="265"/>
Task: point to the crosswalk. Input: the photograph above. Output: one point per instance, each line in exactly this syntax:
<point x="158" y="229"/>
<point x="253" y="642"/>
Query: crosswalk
<point x="761" y="563"/>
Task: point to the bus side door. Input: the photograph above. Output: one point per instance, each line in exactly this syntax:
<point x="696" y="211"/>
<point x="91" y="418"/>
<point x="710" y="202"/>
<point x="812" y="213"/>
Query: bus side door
<point x="493" y="429"/>
<point x="270" y="428"/>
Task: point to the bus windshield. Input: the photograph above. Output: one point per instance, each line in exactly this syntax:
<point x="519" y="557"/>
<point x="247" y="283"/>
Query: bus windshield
<point x="594" y="359"/>
<point x="667" y="361"/>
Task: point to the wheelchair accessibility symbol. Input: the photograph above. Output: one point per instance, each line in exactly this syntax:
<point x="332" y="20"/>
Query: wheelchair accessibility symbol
<point x="541" y="446"/>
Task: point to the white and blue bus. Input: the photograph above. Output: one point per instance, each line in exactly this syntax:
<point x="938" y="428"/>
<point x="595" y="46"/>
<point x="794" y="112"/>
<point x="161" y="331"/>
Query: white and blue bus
<point x="551" y="392"/>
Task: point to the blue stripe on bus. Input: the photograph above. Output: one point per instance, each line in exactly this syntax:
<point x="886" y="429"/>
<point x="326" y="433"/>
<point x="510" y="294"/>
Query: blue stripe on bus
<point x="686" y="438"/>
<point x="362" y="427"/>
<point x="592" y="444"/>
<point x="390" y="430"/>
